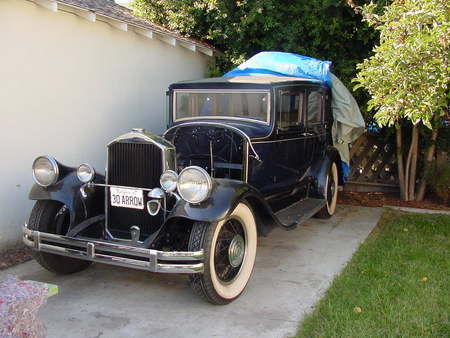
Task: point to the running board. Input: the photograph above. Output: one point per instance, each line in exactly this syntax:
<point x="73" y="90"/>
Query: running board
<point x="299" y="212"/>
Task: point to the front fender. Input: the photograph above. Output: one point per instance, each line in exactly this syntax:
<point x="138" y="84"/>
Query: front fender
<point x="225" y="196"/>
<point x="67" y="191"/>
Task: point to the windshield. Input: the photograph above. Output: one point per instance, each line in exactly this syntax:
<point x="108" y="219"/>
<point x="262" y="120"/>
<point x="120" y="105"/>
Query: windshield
<point x="190" y="104"/>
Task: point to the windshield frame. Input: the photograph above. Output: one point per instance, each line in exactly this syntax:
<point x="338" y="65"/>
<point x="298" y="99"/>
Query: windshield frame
<point x="222" y="91"/>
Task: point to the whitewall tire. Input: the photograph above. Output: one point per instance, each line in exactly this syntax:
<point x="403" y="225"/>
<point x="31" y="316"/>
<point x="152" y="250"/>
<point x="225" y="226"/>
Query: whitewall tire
<point x="331" y="193"/>
<point x="230" y="250"/>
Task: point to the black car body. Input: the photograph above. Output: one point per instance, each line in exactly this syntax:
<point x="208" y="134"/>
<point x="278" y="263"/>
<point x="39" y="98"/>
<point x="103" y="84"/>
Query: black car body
<point x="240" y="156"/>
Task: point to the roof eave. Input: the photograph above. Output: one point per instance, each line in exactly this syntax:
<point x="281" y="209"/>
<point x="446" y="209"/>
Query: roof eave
<point x="92" y="15"/>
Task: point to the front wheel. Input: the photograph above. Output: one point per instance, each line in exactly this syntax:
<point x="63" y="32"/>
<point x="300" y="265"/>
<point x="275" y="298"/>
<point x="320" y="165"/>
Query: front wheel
<point x="53" y="217"/>
<point x="229" y="248"/>
<point x="331" y="193"/>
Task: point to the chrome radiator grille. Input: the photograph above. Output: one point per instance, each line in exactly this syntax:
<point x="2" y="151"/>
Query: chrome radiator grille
<point x="135" y="165"/>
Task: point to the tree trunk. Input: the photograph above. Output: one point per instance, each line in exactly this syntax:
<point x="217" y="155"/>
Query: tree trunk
<point x="428" y="160"/>
<point x="400" y="167"/>
<point x="407" y="166"/>
<point x="413" y="163"/>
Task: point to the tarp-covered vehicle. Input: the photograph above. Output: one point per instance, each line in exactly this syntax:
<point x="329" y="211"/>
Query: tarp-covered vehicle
<point x="241" y="155"/>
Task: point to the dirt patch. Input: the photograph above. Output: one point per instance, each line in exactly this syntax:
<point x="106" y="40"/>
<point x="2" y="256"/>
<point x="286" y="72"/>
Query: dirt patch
<point x="379" y="199"/>
<point x="13" y="257"/>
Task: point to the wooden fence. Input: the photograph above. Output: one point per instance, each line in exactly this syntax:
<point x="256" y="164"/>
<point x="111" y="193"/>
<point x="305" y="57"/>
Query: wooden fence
<point x="373" y="165"/>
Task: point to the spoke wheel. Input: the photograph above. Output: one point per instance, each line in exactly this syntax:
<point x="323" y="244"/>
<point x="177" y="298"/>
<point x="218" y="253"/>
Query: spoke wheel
<point x="229" y="251"/>
<point x="230" y="248"/>
<point x="54" y="217"/>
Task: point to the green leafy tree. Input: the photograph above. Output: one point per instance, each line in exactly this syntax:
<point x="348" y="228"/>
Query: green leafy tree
<point x="325" y="29"/>
<point x="407" y="77"/>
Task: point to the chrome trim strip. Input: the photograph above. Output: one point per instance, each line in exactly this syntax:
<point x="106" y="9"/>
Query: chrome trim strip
<point x="103" y="252"/>
<point x="158" y="141"/>
<point x="106" y="193"/>
<point x="289" y="139"/>
<point x="92" y="184"/>
<point x="246" y="153"/>
<point x="240" y="132"/>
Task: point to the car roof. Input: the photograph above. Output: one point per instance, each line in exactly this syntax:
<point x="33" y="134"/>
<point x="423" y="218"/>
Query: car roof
<point x="270" y="80"/>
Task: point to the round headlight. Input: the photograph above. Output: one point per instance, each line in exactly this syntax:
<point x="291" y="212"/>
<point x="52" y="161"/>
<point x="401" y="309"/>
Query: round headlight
<point x="85" y="173"/>
<point x="194" y="184"/>
<point x="168" y="180"/>
<point x="45" y="171"/>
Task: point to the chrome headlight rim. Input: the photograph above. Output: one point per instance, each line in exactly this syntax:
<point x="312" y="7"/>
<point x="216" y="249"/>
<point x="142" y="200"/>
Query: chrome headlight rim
<point x="208" y="182"/>
<point x="54" y="165"/>
<point x="91" y="172"/>
<point x="175" y="175"/>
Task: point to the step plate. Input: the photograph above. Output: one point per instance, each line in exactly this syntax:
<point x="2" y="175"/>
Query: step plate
<point x="299" y="212"/>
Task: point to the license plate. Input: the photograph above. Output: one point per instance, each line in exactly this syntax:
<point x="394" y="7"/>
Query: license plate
<point x="127" y="198"/>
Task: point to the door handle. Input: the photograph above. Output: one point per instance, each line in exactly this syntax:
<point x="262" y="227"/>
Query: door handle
<point x="307" y="134"/>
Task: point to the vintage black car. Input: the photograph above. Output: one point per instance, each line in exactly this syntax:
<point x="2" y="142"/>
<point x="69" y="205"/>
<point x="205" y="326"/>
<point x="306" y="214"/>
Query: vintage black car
<point x="240" y="156"/>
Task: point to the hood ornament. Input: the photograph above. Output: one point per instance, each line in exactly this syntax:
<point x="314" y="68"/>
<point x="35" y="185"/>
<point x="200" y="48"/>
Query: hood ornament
<point x="138" y="130"/>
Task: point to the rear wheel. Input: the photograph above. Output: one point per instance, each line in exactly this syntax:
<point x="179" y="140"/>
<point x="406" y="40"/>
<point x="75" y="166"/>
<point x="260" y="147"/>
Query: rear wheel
<point x="53" y="217"/>
<point x="229" y="249"/>
<point x="331" y="193"/>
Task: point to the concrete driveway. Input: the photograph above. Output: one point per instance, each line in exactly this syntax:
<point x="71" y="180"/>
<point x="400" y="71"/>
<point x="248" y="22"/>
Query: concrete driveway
<point x="293" y="269"/>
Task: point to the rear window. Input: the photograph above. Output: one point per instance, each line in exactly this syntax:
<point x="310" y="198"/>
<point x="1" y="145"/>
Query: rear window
<point x="315" y="107"/>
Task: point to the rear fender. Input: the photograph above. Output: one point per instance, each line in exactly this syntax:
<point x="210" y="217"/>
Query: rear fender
<point x="67" y="191"/>
<point x="320" y="169"/>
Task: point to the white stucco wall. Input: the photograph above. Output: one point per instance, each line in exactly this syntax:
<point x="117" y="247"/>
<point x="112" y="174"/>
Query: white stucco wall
<point x="67" y="87"/>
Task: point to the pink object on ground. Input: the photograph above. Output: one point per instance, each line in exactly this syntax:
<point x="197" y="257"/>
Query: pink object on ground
<point x="19" y="304"/>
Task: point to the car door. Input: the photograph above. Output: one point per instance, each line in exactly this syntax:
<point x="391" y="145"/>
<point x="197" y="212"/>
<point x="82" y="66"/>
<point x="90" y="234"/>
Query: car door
<point x="284" y="166"/>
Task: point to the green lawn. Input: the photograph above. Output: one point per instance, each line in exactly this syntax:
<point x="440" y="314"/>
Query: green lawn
<point x="396" y="285"/>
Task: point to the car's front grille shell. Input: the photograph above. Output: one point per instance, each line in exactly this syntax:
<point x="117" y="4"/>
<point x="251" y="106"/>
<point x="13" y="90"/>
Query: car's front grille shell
<point x="137" y="165"/>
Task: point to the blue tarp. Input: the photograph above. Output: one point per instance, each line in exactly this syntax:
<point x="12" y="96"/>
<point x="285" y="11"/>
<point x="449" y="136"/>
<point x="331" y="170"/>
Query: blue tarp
<point x="348" y="122"/>
<point x="284" y="64"/>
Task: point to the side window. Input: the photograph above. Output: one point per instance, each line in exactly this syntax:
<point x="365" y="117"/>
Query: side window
<point x="314" y="107"/>
<point x="290" y="109"/>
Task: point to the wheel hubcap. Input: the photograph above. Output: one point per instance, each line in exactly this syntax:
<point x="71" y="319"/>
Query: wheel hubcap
<point x="236" y="251"/>
<point x="332" y="189"/>
<point x="229" y="251"/>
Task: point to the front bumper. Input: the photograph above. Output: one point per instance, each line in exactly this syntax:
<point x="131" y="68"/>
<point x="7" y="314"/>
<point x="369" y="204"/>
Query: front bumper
<point x="113" y="253"/>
